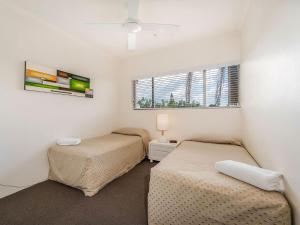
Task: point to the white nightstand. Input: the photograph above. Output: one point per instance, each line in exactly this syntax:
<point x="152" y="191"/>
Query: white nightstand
<point x="158" y="150"/>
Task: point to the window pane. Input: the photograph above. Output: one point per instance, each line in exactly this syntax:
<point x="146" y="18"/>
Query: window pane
<point x="224" y="92"/>
<point x="143" y="93"/>
<point x="233" y="85"/>
<point x="217" y="87"/>
<point x="169" y="91"/>
<point x="197" y="95"/>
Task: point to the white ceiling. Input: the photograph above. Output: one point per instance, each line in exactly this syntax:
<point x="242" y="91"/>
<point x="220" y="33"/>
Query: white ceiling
<point x="197" y="18"/>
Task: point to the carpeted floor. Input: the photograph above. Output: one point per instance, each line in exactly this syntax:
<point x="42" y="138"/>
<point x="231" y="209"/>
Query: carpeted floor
<point x="123" y="201"/>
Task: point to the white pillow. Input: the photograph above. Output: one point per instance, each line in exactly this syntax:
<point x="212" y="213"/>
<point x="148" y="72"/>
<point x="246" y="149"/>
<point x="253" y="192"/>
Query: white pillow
<point x="265" y="179"/>
<point x="68" y="141"/>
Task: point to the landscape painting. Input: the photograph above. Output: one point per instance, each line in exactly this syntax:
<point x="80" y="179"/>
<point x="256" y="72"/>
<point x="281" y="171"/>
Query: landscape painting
<point x="43" y="79"/>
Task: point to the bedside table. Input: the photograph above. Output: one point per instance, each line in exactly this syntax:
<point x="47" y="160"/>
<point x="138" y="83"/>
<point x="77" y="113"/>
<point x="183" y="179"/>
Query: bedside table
<point x="159" y="150"/>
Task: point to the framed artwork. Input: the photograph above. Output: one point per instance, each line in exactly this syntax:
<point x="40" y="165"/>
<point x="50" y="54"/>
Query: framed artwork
<point x="43" y="79"/>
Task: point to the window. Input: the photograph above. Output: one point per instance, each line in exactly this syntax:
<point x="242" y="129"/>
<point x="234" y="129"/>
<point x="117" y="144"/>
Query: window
<point x="217" y="87"/>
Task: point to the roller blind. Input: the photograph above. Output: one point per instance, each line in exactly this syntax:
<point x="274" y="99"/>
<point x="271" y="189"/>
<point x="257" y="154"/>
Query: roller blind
<point x="217" y="87"/>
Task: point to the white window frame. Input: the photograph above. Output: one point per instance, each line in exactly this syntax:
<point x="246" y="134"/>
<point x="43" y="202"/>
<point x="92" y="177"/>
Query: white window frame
<point x="195" y="69"/>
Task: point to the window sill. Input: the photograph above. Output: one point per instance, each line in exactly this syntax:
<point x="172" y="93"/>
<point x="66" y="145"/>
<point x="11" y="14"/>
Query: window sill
<point x="223" y="107"/>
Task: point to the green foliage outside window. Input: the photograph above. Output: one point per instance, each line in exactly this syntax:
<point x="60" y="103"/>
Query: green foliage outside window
<point x="172" y="103"/>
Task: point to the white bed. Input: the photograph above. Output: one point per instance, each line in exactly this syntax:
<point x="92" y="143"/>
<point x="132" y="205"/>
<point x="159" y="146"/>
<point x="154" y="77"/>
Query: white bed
<point x="185" y="188"/>
<point x="95" y="162"/>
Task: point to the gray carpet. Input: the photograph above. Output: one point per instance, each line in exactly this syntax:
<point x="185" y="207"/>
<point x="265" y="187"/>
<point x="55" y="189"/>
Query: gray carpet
<point x="123" y="201"/>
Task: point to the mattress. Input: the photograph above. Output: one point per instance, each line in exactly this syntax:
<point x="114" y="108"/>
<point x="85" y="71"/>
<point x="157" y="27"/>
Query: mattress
<point x="96" y="161"/>
<point x="185" y="188"/>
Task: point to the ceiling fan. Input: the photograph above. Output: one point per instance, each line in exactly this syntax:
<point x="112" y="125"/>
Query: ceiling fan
<point x="133" y="26"/>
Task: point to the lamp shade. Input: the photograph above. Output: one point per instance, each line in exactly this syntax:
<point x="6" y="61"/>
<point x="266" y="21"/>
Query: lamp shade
<point x="162" y="121"/>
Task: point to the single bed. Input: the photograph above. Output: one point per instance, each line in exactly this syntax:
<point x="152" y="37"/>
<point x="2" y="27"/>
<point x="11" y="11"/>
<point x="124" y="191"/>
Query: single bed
<point x="185" y="188"/>
<point x="95" y="162"/>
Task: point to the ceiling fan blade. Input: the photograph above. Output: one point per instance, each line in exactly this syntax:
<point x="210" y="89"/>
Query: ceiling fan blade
<point x="133" y="8"/>
<point x="157" y="27"/>
<point x="108" y="26"/>
<point x="131" y="41"/>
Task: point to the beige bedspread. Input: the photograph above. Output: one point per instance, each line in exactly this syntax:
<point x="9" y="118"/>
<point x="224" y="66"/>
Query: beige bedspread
<point x="95" y="162"/>
<point x="185" y="188"/>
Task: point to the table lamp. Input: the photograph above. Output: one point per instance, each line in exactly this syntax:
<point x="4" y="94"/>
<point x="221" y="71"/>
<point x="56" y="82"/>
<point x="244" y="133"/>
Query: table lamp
<point x="162" y="123"/>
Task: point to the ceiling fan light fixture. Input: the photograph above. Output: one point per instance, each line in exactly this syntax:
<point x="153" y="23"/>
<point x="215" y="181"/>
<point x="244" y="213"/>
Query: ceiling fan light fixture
<point x="132" y="27"/>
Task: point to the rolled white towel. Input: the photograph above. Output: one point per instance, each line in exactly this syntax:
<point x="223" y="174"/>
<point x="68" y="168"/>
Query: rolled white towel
<point x="265" y="179"/>
<point x="68" y="141"/>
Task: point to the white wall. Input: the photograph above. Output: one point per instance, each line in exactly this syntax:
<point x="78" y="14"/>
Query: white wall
<point x="31" y="121"/>
<point x="271" y="89"/>
<point x="184" y="123"/>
